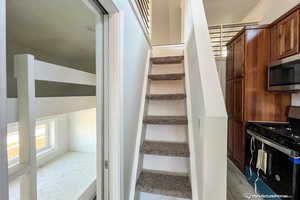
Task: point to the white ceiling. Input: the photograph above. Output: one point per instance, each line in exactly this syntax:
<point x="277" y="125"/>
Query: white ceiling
<point x="58" y="28"/>
<point x="227" y="11"/>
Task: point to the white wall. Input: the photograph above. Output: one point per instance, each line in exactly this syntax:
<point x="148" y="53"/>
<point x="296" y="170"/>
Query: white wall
<point x="266" y="11"/>
<point x="206" y="109"/>
<point x="166" y="22"/>
<point x="221" y="67"/>
<point x="135" y="49"/>
<point x="82" y="131"/>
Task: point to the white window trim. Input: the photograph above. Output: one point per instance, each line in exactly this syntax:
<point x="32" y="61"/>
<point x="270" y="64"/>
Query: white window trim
<point x="15" y="169"/>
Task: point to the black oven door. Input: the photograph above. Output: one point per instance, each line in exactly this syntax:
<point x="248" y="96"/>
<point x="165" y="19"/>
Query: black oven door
<point x="282" y="174"/>
<point x="285" y="76"/>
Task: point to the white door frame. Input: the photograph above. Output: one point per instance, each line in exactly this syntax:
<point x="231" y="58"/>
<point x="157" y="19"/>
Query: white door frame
<point x="113" y="68"/>
<point x="3" y="90"/>
<point x="110" y="172"/>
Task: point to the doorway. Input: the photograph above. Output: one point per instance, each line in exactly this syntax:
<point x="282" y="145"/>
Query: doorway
<point x="108" y="70"/>
<point x="66" y="40"/>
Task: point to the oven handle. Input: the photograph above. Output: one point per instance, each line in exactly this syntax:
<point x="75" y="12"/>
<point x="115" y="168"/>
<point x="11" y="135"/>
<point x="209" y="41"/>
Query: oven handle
<point x="291" y="153"/>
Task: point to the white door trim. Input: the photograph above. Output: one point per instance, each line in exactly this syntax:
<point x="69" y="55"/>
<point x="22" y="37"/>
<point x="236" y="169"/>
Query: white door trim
<point x="110" y="186"/>
<point x="3" y="132"/>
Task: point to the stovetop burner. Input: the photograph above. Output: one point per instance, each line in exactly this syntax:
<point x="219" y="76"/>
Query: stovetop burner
<point x="281" y="133"/>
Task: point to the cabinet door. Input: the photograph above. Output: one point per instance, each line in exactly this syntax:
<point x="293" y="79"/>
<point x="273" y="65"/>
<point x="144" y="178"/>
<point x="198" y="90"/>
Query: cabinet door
<point x="274" y="41"/>
<point x="239" y="144"/>
<point x="239" y="56"/>
<point x="230" y="136"/>
<point x="230" y="98"/>
<point x="229" y="62"/>
<point x="288" y="30"/>
<point x="239" y="99"/>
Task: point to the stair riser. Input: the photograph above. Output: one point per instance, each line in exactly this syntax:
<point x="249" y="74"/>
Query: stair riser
<point x="148" y="196"/>
<point x="167" y="133"/>
<point x="166" y="164"/>
<point x="167" y="69"/>
<point x="164" y="51"/>
<point x="167" y="108"/>
<point x="167" y="87"/>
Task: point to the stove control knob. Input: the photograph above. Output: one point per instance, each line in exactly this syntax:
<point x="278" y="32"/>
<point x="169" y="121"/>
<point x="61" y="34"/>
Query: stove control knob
<point x="277" y="177"/>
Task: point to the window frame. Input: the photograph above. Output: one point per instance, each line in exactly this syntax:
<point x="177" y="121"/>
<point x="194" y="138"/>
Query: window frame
<point x="51" y="134"/>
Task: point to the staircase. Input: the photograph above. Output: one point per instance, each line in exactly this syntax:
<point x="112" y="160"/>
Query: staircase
<point x="165" y="150"/>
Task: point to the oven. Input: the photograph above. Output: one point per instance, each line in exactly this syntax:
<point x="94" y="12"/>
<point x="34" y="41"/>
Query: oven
<point x="282" y="176"/>
<point x="284" y="75"/>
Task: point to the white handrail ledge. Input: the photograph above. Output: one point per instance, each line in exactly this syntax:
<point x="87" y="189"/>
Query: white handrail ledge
<point x="59" y="105"/>
<point x="44" y="71"/>
<point x="50" y="106"/>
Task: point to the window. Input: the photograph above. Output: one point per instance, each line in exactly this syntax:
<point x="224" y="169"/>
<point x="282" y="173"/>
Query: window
<point x="44" y="133"/>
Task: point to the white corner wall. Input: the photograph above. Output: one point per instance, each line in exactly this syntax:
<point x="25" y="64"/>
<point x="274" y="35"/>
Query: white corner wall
<point x="265" y="12"/>
<point x="82" y="131"/>
<point x="135" y="50"/>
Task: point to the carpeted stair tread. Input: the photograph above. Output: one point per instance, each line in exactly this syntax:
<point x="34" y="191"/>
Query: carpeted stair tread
<point x="165" y="149"/>
<point x="178" y="96"/>
<point x="167" y="60"/>
<point x="165" y="120"/>
<point x="159" y="77"/>
<point x="168" y="185"/>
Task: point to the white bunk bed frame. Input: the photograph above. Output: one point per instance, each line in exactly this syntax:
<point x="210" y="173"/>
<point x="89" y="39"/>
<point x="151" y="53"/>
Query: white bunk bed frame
<point x="27" y="108"/>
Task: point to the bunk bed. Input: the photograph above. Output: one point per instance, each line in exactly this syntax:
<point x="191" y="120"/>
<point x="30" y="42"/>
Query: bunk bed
<point x="65" y="177"/>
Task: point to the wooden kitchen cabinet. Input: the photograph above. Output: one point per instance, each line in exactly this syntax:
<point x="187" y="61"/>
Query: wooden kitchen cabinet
<point x="230" y="97"/>
<point x="230" y="138"/>
<point x="274" y="42"/>
<point x="238" y="56"/>
<point x="288" y="35"/>
<point x="239" y="143"/>
<point x="229" y="61"/>
<point x="247" y="98"/>
<point x="238" y="99"/>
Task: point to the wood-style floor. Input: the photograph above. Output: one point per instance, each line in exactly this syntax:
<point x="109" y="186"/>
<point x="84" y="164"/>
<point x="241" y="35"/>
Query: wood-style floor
<point x="237" y="185"/>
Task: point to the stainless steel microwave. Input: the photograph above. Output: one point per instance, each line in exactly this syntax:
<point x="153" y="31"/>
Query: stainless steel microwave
<point x="284" y="75"/>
